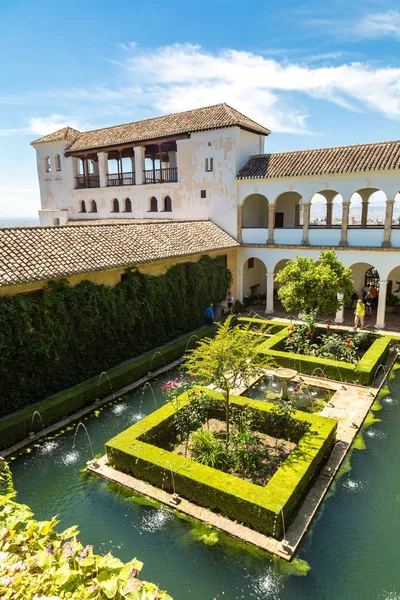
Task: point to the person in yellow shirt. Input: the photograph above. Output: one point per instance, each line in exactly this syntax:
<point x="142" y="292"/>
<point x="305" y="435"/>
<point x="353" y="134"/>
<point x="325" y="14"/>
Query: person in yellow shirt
<point x="359" y="313"/>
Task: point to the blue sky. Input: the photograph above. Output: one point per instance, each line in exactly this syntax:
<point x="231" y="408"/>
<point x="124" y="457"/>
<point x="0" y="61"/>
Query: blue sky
<point x="317" y="74"/>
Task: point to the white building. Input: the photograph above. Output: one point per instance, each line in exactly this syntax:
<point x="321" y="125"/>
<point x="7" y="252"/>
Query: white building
<point x="209" y="164"/>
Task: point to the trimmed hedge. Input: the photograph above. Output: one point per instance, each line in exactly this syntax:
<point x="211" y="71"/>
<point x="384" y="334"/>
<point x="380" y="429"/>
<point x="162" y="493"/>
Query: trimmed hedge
<point x="362" y="373"/>
<point x="240" y="500"/>
<point x="16" y="427"/>
<point x="62" y="335"/>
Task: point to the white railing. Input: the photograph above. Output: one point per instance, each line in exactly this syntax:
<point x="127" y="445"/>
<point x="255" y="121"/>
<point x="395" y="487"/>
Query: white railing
<point x="324" y="237"/>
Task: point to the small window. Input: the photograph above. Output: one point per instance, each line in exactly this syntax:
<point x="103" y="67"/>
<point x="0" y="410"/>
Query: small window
<point x="250" y="263"/>
<point x="203" y="193"/>
<point x="47" y="164"/>
<point x="209" y="165"/>
<point x="115" y="205"/>
<point x="91" y="167"/>
<point x="58" y="162"/>
<point x="167" y="204"/>
<point x="56" y="221"/>
<point x="128" y="205"/>
<point x="153" y="204"/>
<point x="93" y="206"/>
<point x="82" y="206"/>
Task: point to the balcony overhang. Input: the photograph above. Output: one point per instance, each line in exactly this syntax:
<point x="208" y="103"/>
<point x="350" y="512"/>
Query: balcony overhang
<point x="118" y="147"/>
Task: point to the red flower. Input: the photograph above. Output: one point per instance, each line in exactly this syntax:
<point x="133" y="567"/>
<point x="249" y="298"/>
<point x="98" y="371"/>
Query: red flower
<point x="337" y="330"/>
<point x="308" y="333"/>
<point x="186" y="378"/>
<point x="348" y="340"/>
<point x="193" y="377"/>
<point x="180" y="372"/>
<point x="347" y="345"/>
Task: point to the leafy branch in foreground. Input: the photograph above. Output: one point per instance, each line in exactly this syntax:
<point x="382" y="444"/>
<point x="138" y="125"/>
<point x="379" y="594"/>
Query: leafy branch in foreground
<point x="37" y="563"/>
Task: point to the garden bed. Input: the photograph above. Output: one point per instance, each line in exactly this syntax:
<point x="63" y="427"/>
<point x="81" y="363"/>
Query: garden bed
<point x="142" y="451"/>
<point x="361" y="372"/>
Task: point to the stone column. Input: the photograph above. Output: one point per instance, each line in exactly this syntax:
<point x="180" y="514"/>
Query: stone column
<point x="269" y="306"/>
<point x="345" y="223"/>
<point x="239" y="285"/>
<point x="329" y="209"/>
<point x="132" y="163"/>
<point x="103" y="168"/>
<point x="388" y="224"/>
<point x="271" y="223"/>
<point x="240" y="223"/>
<point x="306" y="223"/>
<point x="380" y="317"/>
<point x="172" y="163"/>
<point x="364" y="213"/>
<point x="139" y="164"/>
<point x="339" y="318"/>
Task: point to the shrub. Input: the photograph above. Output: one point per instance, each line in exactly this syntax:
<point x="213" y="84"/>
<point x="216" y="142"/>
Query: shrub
<point x="207" y="449"/>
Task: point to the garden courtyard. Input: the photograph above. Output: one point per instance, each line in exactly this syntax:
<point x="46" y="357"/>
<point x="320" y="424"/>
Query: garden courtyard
<point x="233" y="448"/>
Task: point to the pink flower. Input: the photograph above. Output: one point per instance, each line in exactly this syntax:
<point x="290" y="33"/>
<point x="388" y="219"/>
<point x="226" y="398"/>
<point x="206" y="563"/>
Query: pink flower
<point x="177" y="380"/>
<point x="180" y="372"/>
<point x="193" y="377"/>
<point x="295" y="389"/>
<point x="186" y="378"/>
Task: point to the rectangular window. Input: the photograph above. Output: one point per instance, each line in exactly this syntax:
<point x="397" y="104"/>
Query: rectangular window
<point x="250" y="263"/>
<point x="203" y="194"/>
<point x="209" y="165"/>
<point x="56" y="221"/>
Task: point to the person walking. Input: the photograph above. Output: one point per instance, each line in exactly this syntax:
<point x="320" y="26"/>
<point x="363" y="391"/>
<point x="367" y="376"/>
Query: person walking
<point x="229" y="301"/>
<point x="366" y="290"/>
<point x="374" y="294"/>
<point x="210" y="317"/>
<point x="369" y="301"/>
<point x="359" y="314"/>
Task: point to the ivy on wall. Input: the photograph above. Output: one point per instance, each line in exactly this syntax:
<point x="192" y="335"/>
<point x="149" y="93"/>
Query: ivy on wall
<point x="62" y="335"/>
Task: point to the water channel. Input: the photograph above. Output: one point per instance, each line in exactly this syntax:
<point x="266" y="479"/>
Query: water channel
<point x="351" y="548"/>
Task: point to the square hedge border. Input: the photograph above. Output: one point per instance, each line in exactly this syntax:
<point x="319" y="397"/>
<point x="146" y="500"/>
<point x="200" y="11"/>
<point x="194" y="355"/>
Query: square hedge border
<point x="248" y="503"/>
<point x="361" y="373"/>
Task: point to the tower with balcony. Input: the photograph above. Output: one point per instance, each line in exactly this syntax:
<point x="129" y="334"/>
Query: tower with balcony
<point x="180" y="166"/>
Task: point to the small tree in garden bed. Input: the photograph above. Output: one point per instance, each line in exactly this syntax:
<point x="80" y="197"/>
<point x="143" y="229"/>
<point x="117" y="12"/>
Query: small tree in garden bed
<point x="310" y="287"/>
<point x="227" y="361"/>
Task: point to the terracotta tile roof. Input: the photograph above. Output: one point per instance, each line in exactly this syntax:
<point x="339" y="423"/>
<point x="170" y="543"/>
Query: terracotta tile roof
<point x="340" y="159"/>
<point x="69" y="134"/>
<point x="199" y="119"/>
<point x="41" y="253"/>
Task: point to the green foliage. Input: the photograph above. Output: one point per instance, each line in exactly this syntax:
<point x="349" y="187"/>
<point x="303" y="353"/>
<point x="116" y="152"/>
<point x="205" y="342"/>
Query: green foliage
<point x="37" y="562"/>
<point x="17" y="426"/>
<point x="308" y="286"/>
<point x="131" y="451"/>
<point x="208" y="449"/>
<point x="62" y="335"/>
<point x="363" y="373"/>
<point x="227" y="361"/>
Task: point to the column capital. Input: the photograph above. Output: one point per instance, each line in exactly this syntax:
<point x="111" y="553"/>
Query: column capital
<point x="383" y="282"/>
<point x="390" y="202"/>
<point x="270" y="274"/>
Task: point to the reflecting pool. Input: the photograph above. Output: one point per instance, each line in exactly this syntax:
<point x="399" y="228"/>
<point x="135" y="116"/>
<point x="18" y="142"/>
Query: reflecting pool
<point x="351" y="548"/>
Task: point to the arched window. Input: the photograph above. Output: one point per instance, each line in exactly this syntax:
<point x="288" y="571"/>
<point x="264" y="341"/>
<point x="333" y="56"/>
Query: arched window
<point x="115" y="205"/>
<point x="82" y="206"/>
<point x="58" y="162"/>
<point x="47" y="164"/>
<point x="93" y="206"/>
<point x="128" y="205"/>
<point x="167" y="204"/>
<point x="153" y="204"/>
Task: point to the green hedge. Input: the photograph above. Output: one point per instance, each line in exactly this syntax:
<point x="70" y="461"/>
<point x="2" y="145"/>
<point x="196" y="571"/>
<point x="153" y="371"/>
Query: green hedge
<point x="362" y="373"/>
<point x="60" y="336"/>
<point x="16" y="427"/>
<point x="240" y="500"/>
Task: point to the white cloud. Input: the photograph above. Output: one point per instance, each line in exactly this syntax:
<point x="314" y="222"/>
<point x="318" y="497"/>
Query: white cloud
<point x="43" y="125"/>
<point x="183" y="76"/>
<point x="379" y="24"/>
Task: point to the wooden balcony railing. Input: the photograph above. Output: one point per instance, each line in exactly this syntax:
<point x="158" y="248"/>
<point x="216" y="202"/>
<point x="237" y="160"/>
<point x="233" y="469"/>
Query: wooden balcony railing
<point x="169" y="175"/>
<point x="87" y="181"/>
<point x="121" y="179"/>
